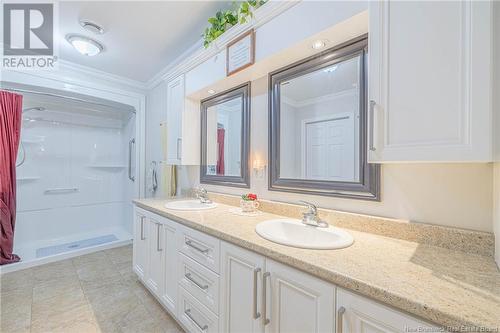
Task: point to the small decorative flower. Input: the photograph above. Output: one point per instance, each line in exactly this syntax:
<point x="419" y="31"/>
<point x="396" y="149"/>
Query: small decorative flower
<point x="249" y="197"/>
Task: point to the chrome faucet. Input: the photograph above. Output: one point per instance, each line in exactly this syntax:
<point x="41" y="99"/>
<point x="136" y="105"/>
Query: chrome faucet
<point x="311" y="217"/>
<point x="202" y="195"/>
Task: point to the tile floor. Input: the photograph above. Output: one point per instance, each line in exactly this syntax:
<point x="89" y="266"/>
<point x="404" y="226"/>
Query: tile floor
<point x="97" y="292"/>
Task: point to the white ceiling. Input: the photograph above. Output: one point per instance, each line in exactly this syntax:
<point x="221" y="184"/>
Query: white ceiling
<point x="323" y="82"/>
<point x="141" y="37"/>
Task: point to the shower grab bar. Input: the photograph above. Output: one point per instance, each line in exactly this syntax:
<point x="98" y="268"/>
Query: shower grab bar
<point x="130" y="144"/>
<point x="60" y="190"/>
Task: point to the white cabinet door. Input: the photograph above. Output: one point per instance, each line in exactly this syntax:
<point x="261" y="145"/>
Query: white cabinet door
<point x="156" y="256"/>
<point x="169" y="246"/>
<point x="429" y="81"/>
<point x="140" y="245"/>
<point x="241" y="285"/>
<point x="175" y="108"/>
<point x="296" y="301"/>
<point x="356" y="314"/>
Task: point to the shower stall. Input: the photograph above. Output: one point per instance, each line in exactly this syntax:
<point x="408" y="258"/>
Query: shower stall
<point x="76" y="176"/>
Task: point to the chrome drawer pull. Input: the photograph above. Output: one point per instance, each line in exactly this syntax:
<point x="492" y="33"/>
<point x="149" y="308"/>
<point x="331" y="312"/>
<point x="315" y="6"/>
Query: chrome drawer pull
<point x="340" y="317"/>
<point x="190" y="278"/>
<point x="188" y="313"/>
<point x="142" y="228"/>
<point x="158" y="248"/>
<point x="197" y="248"/>
<point x="264" y="298"/>
<point x="256" y="314"/>
<point x="372" y="126"/>
<point x="179" y="147"/>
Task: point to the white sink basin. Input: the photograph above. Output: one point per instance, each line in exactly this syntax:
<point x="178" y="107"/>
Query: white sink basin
<point x="189" y="205"/>
<point x="292" y="232"/>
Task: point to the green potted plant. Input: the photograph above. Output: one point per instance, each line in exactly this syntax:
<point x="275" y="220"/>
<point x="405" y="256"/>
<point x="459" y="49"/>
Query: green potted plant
<point x="219" y="23"/>
<point x="223" y="20"/>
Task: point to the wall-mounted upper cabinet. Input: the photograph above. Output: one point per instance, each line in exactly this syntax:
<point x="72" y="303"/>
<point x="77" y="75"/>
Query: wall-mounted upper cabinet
<point x="206" y="73"/>
<point x="183" y="125"/>
<point x="429" y="81"/>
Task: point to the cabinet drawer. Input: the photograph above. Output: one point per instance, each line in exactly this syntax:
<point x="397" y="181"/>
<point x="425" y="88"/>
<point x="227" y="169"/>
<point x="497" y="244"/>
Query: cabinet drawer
<point x="195" y="316"/>
<point x="200" y="247"/>
<point x="200" y="282"/>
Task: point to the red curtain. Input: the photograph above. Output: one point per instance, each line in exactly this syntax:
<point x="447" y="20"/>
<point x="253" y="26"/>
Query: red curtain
<point x="220" y="144"/>
<point x="10" y="132"/>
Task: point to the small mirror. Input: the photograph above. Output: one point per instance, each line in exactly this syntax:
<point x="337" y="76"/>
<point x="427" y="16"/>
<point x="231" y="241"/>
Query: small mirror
<point x="225" y="132"/>
<point x="318" y="126"/>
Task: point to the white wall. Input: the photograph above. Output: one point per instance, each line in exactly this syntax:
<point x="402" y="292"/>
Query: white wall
<point x="496" y="212"/>
<point x="496" y="131"/>
<point x="458" y="195"/>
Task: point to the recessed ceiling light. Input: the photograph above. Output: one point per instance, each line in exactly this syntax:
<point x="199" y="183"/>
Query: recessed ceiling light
<point x="85" y="45"/>
<point x="211" y="91"/>
<point x="318" y="44"/>
<point x="92" y="27"/>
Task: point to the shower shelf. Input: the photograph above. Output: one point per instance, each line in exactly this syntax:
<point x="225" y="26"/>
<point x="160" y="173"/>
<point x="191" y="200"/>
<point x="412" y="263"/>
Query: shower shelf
<point x="32" y="141"/>
<point x="27" y="178"/>
<point x="107" y="166"/>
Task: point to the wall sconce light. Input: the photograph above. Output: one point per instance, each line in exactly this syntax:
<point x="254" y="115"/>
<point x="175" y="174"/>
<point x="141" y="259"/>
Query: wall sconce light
<point x="258" y="166"/>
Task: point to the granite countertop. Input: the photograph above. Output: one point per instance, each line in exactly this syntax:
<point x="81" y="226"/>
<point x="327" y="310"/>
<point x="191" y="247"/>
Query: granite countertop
<point x="442" y="286"/>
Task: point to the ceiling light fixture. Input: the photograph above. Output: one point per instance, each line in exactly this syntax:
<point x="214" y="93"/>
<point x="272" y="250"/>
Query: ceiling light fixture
<point x="92" y="27"/>
<point x="85" y="45"/>
<point x="211" y="91"/>
<point x="318" y="44"/>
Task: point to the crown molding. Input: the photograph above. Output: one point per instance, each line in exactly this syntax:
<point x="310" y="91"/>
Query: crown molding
<point x="67" y="66"/>
<point x="189" y="59"/>
<point x="198" y="54"/>
<point x="319" y="99"/>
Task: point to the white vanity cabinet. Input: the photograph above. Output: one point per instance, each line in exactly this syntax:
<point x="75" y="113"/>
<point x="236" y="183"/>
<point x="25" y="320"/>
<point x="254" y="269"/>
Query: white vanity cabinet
<point x="198" y="280"/>
<point x="357" y="314"/>
<point x="140" y="245"/>
<point x="183" y="125"/>
<point x="168" y="245"/>
<point x="261" y="295"/>
<point x="210" y="285"/>
<point x="297" y="302"/>
<point x="241" y="290"/>
<point x="155" y="255"/>
<point x="429" y="81"/>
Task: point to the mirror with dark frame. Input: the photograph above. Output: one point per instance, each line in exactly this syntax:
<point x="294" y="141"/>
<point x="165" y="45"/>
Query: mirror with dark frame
<point x="225" y="138"/>
<point x="318" y="125"/>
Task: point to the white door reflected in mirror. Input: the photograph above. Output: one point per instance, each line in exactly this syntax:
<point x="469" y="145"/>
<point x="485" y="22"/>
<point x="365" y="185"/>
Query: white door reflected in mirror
<point x="319" y="125"/>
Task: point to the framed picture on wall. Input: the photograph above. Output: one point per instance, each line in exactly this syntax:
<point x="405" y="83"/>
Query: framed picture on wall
<point x="240" y="53"/>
